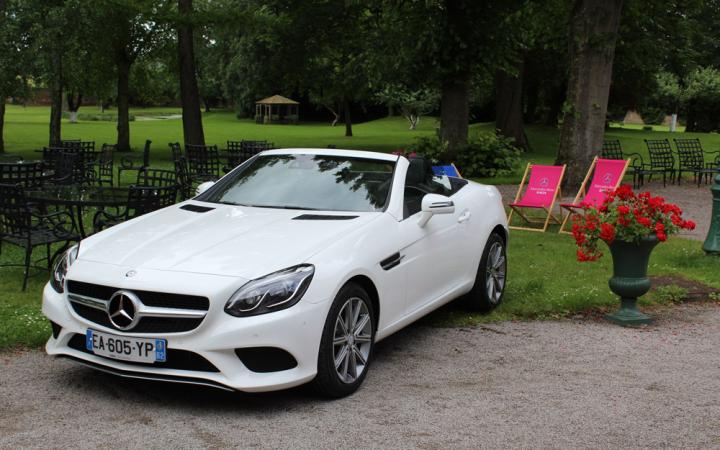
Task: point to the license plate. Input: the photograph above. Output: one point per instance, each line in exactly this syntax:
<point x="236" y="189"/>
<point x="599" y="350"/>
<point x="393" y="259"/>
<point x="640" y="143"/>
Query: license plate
<point x="142" y="350"/>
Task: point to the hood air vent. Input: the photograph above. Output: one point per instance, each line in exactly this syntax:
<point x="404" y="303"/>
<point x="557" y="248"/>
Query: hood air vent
<point x="196" y="208"/>
<point x="323" y="217"/>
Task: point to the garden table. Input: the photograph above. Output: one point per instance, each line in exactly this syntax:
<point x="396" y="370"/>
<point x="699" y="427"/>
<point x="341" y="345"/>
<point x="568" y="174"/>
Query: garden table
<point x="78" y="198"/>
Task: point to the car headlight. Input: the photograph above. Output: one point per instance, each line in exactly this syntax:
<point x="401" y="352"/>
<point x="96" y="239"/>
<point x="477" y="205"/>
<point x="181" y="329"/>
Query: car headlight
<point x="57" y="277"/>
<point x="273" y="292"/>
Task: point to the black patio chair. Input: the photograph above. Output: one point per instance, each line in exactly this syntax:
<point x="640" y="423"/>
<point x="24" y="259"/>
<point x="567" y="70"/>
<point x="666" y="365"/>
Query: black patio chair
<point x="101" y="171"/>
<point x="181" y="171"/>
<point x="203" y="162"/>
<point x="240" y="151"/>
<point x="133" y="162"/>
<point x="612" y="149"/>
<point x="141" y="200"/>
<point x="692" y="159"/>
<point x="28" y="175"/>
<point x="156" y="177"/>
<point x="22" y="226"/>
<point x="662" y="160"/>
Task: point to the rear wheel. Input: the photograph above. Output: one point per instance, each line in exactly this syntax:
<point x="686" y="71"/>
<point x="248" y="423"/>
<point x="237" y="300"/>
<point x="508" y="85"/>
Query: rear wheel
<point x="347" y="343"/>
<point x="489" y="287"/>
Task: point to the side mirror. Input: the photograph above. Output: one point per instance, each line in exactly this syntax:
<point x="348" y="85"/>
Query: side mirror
<point x="202" y="187"/>
<point x="435" y="204"/>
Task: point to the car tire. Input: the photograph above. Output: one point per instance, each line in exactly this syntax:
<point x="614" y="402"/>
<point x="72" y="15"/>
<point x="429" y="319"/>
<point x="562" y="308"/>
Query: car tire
<point x="490" y="280"/>
<point x="352" y="348"/>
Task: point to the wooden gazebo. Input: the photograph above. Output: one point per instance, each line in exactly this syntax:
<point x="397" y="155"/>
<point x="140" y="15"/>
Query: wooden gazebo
<point x="277" y="109"/>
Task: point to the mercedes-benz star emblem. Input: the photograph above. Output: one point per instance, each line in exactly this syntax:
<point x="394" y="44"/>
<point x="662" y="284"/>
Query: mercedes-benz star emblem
<point x="123" y="310"/>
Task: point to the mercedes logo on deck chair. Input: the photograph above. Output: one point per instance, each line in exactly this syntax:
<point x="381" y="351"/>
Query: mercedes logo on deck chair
<point x="123" y="310"/>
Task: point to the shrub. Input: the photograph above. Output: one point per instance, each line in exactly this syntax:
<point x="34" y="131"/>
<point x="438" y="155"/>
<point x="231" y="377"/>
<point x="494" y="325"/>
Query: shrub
<point x="671" y="293"/>
<point x="485" y="154"/>
<point x="702" y="99"/>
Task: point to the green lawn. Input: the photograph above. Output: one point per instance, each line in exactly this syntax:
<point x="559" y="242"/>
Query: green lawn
<point x="544" y="281"/>
<point x="26" y="130"/>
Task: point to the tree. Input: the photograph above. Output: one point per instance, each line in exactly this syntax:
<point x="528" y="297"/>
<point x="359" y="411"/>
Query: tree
<point x="445" y="44"/>
<point x="509" y="106"/>
<point x="593" y="33"/>
<point x="134" y="28"/>
<point x="189" y="94"/>
<point x="412" y="104"/>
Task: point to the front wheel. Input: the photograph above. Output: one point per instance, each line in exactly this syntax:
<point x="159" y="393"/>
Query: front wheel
<point x="489" y="287"/>
<point x="347" y="343"/>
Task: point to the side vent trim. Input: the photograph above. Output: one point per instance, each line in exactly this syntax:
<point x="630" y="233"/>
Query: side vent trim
<point x="196" y="208"/>
<point x="391" y="261"/>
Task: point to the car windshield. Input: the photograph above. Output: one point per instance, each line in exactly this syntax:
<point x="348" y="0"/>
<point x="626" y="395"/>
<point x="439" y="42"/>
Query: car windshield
<point x="301" y="181"/>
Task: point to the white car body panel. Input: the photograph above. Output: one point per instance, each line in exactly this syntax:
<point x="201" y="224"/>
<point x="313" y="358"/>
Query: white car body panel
<point x="212" y="254"/>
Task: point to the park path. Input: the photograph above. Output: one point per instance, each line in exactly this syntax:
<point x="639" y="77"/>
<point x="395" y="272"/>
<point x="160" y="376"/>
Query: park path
<point x="566" y="384"/>
<point x="695" y="202"/>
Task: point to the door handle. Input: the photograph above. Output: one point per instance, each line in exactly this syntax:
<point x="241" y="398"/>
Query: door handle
<point x="464" y="217"/>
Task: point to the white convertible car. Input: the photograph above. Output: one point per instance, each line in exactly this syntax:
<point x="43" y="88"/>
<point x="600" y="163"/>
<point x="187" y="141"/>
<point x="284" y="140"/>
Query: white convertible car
<point x="286" y="271"/>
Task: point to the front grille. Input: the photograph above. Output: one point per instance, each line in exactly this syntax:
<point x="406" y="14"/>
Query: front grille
<point x="147" y="324"/>
<point x="149" y="298"/>
<point x="176" y="359"/>
<point x="155" y="325"/>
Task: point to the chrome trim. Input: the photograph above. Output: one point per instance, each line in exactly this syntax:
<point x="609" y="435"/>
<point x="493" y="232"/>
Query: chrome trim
<point x="441" y="204"/>
<point x="152" y="311"/>
<point x="96" y="303"/>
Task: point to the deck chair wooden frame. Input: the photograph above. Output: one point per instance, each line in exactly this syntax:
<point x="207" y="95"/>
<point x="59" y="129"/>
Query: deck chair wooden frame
<point x="583" y="191"/>
<point x="548" y="210"/>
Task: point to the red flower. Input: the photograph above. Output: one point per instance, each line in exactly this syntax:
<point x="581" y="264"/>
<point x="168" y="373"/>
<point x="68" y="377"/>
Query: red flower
<point x="661" y="236"/>
<point x="644" y="221"/>
<point x="624" y="192"/>
<point x="688" y="225"/>
<point x="623" y="210"/>
<point x="607" y="232"/>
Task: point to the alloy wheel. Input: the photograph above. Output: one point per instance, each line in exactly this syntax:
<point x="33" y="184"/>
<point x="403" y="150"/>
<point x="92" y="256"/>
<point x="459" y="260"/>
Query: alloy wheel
<point x="352" y="339"/>
<point x="495" y="272"/>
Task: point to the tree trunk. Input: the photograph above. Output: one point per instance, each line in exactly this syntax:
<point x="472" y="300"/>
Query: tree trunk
<point x="74" y="105"/>
<point x="2" y="124"/>
<point x="557" y="100"/>
<point x="123" y="94"/>
<point x="454" y="113"/>
<point x="189" y="93"/>
<point x="593" y="32"/>
<point x="348" y="120"/>
<point x="56" y="100"/>
<point x="508" y="106"/>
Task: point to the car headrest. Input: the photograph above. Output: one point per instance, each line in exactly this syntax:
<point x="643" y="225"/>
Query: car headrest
<point x="419" y="171"/>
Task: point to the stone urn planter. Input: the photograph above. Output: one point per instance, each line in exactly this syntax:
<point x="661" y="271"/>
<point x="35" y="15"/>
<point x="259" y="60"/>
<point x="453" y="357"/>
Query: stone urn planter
<point x="629" y="280"/>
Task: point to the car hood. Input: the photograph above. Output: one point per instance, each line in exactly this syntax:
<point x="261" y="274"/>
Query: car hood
<point x="227" y="240"/>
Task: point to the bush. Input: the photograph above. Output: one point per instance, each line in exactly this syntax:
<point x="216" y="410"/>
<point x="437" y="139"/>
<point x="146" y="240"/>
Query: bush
<point x="485" y="154"/>
<point x="702" y="99"/>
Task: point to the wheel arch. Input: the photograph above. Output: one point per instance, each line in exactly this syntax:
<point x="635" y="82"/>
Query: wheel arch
<point x="372" y="291"/>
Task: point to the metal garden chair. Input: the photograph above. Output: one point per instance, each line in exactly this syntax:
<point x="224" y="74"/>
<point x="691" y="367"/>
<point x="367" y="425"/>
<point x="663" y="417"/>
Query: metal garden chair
<point x="22" y="226"/>
<point x="691" y="158"/>
<point x="133" y="162"/>
<point x="662" y="160"/>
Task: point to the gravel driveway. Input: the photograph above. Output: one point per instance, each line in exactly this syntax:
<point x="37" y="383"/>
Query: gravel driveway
<point x="569" y="384"/>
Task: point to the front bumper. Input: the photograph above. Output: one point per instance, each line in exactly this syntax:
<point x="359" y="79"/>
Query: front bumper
<point x="296" y="330"/>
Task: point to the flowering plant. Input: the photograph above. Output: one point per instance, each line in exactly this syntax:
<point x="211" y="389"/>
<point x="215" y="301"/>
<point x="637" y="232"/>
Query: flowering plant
<point x="625" y="216"/>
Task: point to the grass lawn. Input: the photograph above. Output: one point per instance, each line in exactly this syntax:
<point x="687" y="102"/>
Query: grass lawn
<point x="544" y="281"/>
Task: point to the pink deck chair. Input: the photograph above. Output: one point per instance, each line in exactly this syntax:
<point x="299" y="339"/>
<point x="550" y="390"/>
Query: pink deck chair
<point x="607" y="176"/>
<point x="542" y="192"/>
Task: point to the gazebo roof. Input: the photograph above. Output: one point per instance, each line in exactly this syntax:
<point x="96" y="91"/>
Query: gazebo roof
<point x="277" y="100"/>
